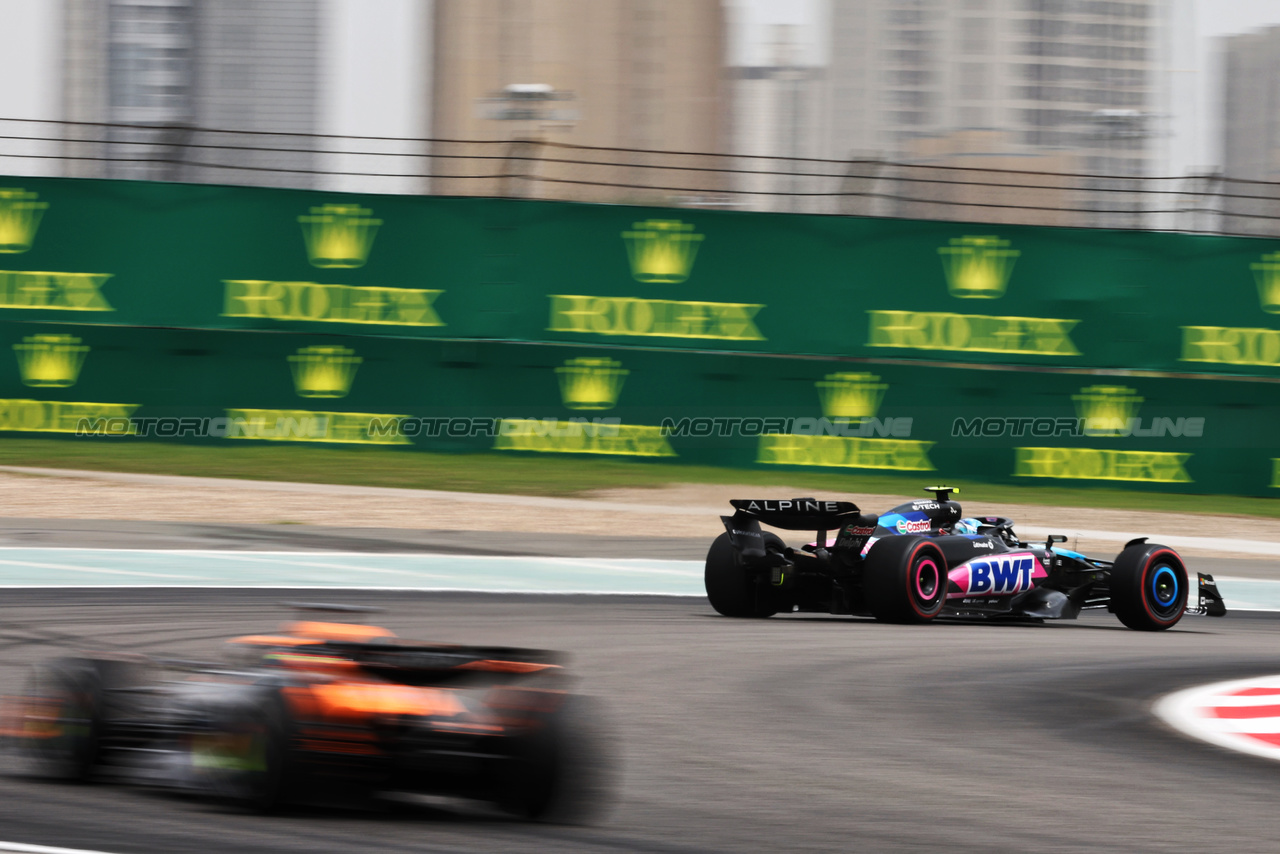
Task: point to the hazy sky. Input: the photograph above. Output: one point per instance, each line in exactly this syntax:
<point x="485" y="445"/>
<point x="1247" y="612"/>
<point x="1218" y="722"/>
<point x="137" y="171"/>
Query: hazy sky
<point x="377" y="81"/>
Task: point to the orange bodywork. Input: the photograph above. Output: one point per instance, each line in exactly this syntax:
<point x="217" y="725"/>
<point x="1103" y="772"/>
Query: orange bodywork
<point x="354" y="702"/>
<point x="29" y="717"/>
<point x="337" y="631"/>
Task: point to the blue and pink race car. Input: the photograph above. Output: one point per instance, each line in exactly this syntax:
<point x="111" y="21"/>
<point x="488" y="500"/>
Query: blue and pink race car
<point x="925" y="559"/>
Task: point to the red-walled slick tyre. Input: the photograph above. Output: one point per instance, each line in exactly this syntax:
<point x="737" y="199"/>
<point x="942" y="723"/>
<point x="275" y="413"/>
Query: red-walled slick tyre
<point x="905" y="580"/>
<point x="1149" y="587"/>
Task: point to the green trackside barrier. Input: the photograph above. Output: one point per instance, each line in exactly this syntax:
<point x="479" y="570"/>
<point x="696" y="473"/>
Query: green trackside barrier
<point x="94" y="383"/>
<point x="103" y="253"/>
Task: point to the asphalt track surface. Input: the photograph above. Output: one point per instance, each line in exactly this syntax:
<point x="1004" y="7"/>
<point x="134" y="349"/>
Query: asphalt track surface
<point x="797" y="733"/>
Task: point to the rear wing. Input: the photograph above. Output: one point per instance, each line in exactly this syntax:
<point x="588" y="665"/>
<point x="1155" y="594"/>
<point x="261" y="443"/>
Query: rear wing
<point x="436" y="664"/>
<point x="794" y="514"/>
<point x="797" y="514"/>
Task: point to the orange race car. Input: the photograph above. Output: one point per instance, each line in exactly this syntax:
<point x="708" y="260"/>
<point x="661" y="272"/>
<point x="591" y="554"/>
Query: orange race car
<point x="319" y="710"/>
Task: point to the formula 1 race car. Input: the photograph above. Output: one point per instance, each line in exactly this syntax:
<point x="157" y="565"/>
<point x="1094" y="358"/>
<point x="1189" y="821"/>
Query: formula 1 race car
<point x="924" y="559"/>
<point x="322" y="711"/>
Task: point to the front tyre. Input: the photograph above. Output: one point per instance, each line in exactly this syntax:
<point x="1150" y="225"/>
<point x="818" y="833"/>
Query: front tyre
<point x="905" y="580"/>
<point x="1149" y="587"/>
<point x="734" y="589"/>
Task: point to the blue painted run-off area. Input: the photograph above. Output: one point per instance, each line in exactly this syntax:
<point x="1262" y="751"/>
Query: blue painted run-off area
<point x="44" y="567"/>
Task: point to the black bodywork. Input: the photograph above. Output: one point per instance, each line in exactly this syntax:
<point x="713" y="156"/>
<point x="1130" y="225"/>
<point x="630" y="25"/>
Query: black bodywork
<point x="831" y="576"/>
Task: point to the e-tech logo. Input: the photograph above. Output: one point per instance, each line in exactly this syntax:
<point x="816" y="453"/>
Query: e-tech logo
<point x="906" y="526"/>
<point x="1000" y="576"/>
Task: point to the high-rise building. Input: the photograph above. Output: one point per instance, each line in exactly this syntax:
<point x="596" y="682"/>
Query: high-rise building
<point x="154" y="72"/>
<point x="630" y="74"/>
<point x="1251" y="106"/>
<point x="1047" y="76"/>
<point x="778" y="113"/>
<point x="1251" y="132"/>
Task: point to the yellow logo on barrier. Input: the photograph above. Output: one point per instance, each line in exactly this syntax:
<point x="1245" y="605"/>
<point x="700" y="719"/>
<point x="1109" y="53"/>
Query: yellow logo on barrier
<point x="1232" y="345"/>
<point x="298" y="425"/>
<point x="1093" y="464"/>
<point x="1228" y="345"/>
<point x="1106" y="409"/>
<point x="55" y="291"/>
<point x="661" y="251"/>
<point x="1275" y="473"/>
<point x="972" y="333"/>
<point x="591" y="383"/>
<point x="850" y="400"/>
<point x="339" y="236"/>
<point x="20" y="216"/>
<point x="324" y="371"/>
<point x="61" y="416"/>
<point x="1267" y="274"/>
<point x="654" y="318"/>
<point x="588" y="383"/>
<point x="330" y="303"/>
<point x="580" y="437"/>
<point x="50" y="361"/>
<point x="978" y="267"/>
<point x="850" y="395"/>
<point x="844" y="452"/>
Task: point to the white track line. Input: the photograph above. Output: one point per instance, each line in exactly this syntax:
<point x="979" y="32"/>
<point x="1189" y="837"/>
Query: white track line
<point x="320" y="588"/>
<point x="94" y="569"/>
<point x="45" y="849"/>
<point x="318" y="553"/>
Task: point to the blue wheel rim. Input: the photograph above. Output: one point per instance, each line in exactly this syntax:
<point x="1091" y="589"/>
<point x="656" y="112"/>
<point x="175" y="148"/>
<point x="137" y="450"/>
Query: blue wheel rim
<point x="1165" y="588"/>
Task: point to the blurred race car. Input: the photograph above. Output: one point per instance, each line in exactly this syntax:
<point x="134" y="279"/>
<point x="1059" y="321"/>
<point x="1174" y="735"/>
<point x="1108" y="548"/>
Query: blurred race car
<point x="925" y="559"/>
<point x="319" y="711"/>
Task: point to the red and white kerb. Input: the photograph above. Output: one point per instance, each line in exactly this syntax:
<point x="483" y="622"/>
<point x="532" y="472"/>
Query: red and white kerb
<point x="1241" y="715"/>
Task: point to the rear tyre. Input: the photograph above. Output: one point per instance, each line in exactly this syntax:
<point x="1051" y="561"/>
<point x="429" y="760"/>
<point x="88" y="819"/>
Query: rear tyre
<point x="905" y="580"/>
<point x="1149" y="587"/>
<point x="62" y="719"/>
<point x="733" y="589"/>
<point x="245" y="754"/>
<point x="558" y="769"/>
